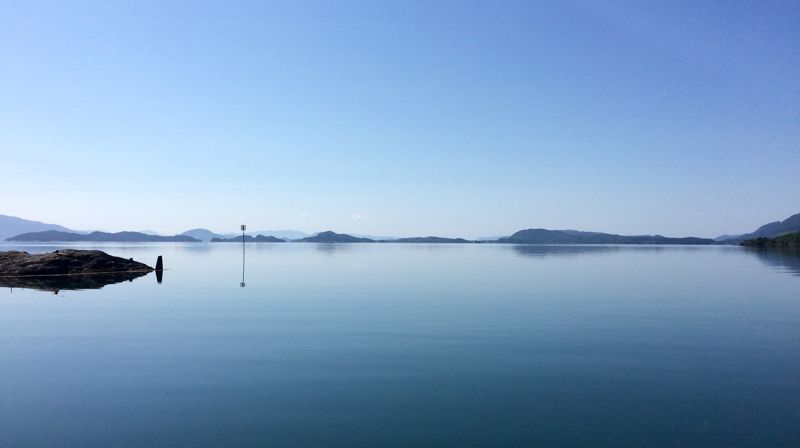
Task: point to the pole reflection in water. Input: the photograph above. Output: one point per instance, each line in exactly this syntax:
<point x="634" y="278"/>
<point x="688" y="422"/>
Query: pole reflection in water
<point x="242" y="284"/>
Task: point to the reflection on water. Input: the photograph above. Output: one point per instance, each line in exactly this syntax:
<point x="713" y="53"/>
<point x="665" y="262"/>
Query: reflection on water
<point x="242" y="284"/>
<point x="332" y="248"/>
<point x="782" y="259"/>
<point x="55" y="283"/>
<point x="411" y="345"/>
<point x="541" y="251"/>
<point x="544" y="250"/>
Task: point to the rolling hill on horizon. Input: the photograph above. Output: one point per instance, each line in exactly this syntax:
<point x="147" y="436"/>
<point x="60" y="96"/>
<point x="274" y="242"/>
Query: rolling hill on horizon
<point x="786" y="240"/>
<point x="545" y="236"/>
<point x="428" y="240"/>
<point x="249" y="239"/>
<point x="207" y="235"/>
<point x="11" y="226"/>
<point x="202" y="234"/>
<point x="128" y="237"/>
<point x="771" y="230"/>
<point x="329" y="236"/>
<point x="18" y="229"/>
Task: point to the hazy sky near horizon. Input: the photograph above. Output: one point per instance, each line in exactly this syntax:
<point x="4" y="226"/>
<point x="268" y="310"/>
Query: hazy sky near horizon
<point x="401" y="118"/>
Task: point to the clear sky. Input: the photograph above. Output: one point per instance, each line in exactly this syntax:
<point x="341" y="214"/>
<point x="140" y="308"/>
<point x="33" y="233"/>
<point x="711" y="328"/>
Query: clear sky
<point x="401" y="118"/>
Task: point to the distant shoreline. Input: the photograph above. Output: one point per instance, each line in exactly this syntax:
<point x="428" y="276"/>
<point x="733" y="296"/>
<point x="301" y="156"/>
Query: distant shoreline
<point x="51" y="233"/>
<point x="528" y="236"/>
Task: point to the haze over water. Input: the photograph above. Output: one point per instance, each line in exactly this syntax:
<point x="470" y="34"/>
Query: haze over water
<point x="410" y="345"/>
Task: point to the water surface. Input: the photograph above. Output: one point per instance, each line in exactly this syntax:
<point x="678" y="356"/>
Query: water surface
<point x="410" y="345"/>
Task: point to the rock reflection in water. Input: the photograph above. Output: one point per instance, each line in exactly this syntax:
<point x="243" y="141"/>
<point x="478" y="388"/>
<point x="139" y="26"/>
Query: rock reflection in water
<point x="55" y="283"/>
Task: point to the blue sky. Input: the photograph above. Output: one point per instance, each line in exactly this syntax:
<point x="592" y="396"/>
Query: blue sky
<point x="401" y="118"/>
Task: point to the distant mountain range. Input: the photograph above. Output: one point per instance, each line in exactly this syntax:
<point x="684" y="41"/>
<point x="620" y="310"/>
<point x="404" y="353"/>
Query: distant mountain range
<point x="282" y="234"/>
<point x="12" y="226"/>
<point x="544" y="236"/>
<point x="202" y="234"/>
<point x="428" y="240"/>
<point x="23" y="230"/>
<point x="207" y="235"/>
<point x="333" y="237"/>
<point x="771" y="230"/>
<point x="127" y="237"/>
<point x="249" y="239"/>
<point x="786" y="240"/>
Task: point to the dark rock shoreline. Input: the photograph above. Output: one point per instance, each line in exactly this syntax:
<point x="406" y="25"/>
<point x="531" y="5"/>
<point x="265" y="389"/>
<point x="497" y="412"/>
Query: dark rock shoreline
<point x="66" y="262"/>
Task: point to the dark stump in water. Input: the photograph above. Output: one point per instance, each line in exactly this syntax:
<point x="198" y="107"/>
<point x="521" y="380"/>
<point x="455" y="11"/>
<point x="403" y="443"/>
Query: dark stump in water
<point x="66" y="262"/>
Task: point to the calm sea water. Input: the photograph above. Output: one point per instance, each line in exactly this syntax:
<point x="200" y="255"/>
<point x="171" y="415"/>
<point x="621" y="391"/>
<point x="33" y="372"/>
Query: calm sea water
<point x="410" y="345"/>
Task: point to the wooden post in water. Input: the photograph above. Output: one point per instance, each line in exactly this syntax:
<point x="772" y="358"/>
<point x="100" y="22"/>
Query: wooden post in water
<point x="159" y="269"/>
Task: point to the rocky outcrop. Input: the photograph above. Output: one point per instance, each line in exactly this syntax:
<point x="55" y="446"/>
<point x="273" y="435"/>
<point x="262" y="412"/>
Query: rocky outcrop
<point x="66" y="261"/>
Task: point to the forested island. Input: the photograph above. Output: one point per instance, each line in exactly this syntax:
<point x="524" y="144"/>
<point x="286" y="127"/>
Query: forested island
<point x="787" y="240"/>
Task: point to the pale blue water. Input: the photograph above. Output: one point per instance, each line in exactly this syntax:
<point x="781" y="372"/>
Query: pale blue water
<point x="410" y="345"/>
